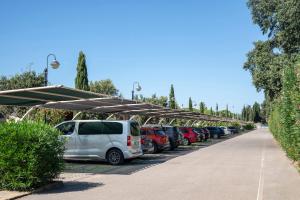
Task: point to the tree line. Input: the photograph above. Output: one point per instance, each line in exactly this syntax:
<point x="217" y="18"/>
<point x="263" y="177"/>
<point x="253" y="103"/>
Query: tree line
<point x="274" y="64"/>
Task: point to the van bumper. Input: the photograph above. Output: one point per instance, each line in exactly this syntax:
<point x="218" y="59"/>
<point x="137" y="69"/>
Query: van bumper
<point x="129" y="155"/>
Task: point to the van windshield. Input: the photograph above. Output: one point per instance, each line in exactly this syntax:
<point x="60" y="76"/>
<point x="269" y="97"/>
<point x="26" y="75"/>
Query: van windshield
<point x="134" y="129"/>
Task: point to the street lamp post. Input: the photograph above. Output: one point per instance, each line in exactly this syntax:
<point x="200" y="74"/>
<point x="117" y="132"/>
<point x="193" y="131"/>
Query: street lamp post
<point x="54" y="64"/>
<point x="137" y="88"/>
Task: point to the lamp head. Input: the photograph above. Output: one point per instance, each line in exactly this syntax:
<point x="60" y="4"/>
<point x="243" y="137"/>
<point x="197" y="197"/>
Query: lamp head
<point x="55" y="64"/>
<point x="138" y="88"/>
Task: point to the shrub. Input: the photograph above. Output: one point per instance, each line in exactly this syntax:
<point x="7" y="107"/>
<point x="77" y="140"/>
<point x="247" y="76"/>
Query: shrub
<point x="30" y="155"/>
<point x="249" y="126"/>
<point x="284" y="120"/>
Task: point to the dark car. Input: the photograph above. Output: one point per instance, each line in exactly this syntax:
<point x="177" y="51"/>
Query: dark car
<point x="233" y="129"/>
<point x="173" y="134"/>
<point x="205" y="133"/>
<point x="215" y="132"/>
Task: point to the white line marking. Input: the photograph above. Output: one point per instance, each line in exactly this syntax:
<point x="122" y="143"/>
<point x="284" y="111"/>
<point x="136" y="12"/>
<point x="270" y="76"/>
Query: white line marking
<point x="261" y="175"/>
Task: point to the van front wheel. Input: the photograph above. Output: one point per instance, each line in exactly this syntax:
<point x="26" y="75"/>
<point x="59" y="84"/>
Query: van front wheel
<point x="115" y="157"/>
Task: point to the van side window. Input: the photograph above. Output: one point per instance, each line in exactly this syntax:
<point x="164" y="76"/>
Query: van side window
<point x="67" y="128"/>
<point x="112" y="128"/>
<point x="134" y="129"/>
<point x="89" y="128"/>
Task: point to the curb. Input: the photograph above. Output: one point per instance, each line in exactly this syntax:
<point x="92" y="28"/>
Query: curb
<point x="50" y="186"/>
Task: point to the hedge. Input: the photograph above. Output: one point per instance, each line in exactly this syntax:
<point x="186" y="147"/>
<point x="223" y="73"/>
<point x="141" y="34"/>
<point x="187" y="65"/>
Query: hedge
<point x="249" y="126"/>
<point x="31" y="155"/>
<point x="284" y="120"/>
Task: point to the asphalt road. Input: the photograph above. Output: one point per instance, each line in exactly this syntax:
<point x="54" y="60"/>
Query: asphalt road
<point x="250" y="166"/>
<point x="146" y="161"/>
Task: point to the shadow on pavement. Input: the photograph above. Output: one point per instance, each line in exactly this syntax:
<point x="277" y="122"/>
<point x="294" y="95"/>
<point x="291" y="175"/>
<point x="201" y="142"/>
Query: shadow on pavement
<point x="73" y="186"/>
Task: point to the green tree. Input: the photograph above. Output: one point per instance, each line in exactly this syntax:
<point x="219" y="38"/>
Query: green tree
<point x="202" y="107"/>
<point x="104" y="87"/>
<point x="211" y="111"/>
<point x="154" y="99"/>
<point x="256" y="112"/>
<point x="81" y="80"/>
<point x="227" y="111"/>
<point x="172" y="98"/>
<point x="280" y="20"/>
<point x="244" y="113"/>
<point x="217" y="109"/>
<point x="190" y="104"/>
<point x="26" y="79"/>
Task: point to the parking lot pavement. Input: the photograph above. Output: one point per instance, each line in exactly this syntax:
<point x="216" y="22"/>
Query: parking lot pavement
<point x="246" y="167"/>
<point x="87" y="168"/>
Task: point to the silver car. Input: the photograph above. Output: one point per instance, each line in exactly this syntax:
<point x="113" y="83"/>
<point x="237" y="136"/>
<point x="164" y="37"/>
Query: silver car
<point x="113" y="141"/>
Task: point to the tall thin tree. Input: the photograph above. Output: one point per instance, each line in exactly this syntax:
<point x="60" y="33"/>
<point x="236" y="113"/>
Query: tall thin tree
<point x="172" y="98"/>
<point x="190" y="104"/>
<point x="81" y="80"/>
<point x="202" y="107"/>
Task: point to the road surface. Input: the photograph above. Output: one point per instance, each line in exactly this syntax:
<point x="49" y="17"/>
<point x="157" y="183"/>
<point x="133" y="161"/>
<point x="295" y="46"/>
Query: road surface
<point x="251" y="166"/>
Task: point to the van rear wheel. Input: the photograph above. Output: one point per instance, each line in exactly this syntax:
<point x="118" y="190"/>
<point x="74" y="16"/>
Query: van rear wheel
<point x="115" y="157"/>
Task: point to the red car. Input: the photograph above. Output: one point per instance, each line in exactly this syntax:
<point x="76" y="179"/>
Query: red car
<point x="189" y="135"/>
<point x="158" y="136"/>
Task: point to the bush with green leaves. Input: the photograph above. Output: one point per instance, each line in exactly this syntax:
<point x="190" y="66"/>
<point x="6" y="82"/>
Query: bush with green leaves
<point x="31" y="155"/>
<point x="249" y="126"/>
<point x="284" y="120"/>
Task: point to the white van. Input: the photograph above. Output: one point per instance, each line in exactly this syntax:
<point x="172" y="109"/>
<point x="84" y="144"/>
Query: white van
<point x="112" y="141"/>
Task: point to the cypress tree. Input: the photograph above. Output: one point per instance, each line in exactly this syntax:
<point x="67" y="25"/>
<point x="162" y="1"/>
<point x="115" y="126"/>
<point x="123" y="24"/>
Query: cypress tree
<point x="256" y="112"/>
<point x="81" y="80"/>
<point x="211" y="111"/>
<point x="227" y="110"/>
<point x="190" y="104"/>
<point x="172" y="98"/>
<point x="202" y="107"/>
<point x="217" y="109"/>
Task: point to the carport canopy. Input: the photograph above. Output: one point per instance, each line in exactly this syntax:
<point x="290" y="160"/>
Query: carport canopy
<point x="61" y="97"/>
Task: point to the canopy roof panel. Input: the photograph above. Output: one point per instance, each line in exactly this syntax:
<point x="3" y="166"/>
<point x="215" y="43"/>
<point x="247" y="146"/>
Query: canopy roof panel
<point x="60" y="97"/>
<point x="42" y="95"/>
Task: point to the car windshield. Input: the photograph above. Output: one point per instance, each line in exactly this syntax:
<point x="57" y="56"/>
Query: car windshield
<point x="159" y="132"/>
<point x="134" y="129"/>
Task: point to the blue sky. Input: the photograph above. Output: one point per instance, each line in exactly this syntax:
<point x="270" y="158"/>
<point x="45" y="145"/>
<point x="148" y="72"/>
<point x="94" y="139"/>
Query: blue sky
<point x="199" y="46"/>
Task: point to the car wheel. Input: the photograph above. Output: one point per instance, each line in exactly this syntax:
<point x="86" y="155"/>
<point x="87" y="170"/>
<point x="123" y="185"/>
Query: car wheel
<point x="155" y="147"/>
<point x="172" y="145"/>
<point x="215" y="136"/>
<point x="186" y="142"/>
<point x="115" y="157"/>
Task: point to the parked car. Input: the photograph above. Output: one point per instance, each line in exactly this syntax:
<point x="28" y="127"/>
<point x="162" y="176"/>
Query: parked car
<point x="189" y="135"/>
<point x="233" y="129"/>
<point x="158" y="137"/>
<point x="147" y="145"/>
<point x="205" y="133"/>
<point x="113" y="141"/>
<point x="226" y="130"/>
<point x="173" y="134"/>
<point x="215" y="132"/>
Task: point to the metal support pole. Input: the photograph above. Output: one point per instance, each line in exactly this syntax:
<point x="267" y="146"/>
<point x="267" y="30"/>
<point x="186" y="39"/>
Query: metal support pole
<point x="147" y="120"/>
<point x="132" y="117"/>
<point x="187" y="123"/>
<point x="110" y="116"/>
<point x="28" y="112"/>
<point x="161" y="120"/>
<point x="172" y="121"/>
<point x="77" y="114"/>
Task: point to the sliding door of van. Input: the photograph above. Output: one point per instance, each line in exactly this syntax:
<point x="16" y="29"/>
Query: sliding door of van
<point x="91" y="140"/>
<point x="69" y="134"/>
